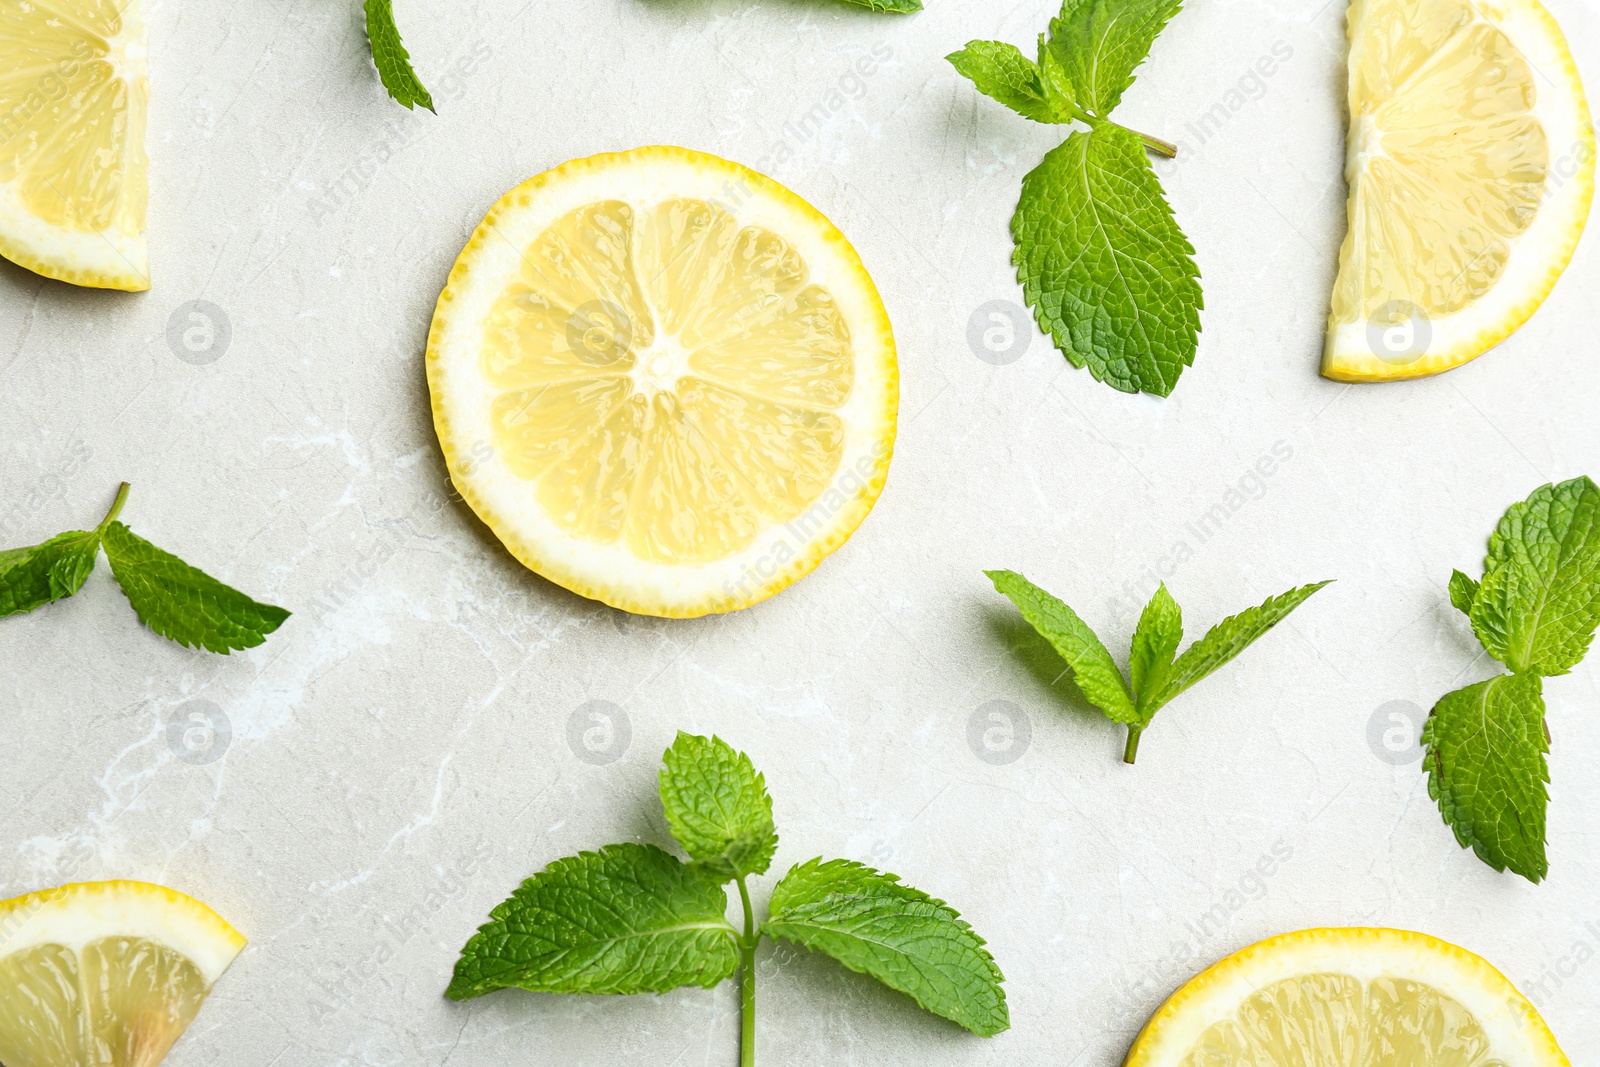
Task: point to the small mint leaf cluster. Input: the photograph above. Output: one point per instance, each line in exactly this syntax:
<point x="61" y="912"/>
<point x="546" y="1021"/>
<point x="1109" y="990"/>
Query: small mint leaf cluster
<point x="1101" y="259"/>
<point x="1158" y="673"/>
<point x="177" y="601"/>
<point x="1535" y="610"/>
<point x="633" y="918"/>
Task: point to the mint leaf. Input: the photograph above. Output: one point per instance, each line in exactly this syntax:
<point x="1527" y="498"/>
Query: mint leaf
<point x="627" y="919"/>
<point x="1093" y="668"/>
<point x="1155" y="642"/>
<point x="1099" y="43"/>
<point x="901" y="936"/>
<point x="182" y="603"/>
<point x="1463" y="591"/>
<point x="1539" y="603"/>
<point x="1487" y="769"/>
<point x="1103" y="264"/>
<point x="717" y="806"/>
<point x="903" y="7"/>
<point x="389" y="55"/>
<point x="1001" y="71"/>
<point x="1227" y="639"/>
<point x="41" y="574"/>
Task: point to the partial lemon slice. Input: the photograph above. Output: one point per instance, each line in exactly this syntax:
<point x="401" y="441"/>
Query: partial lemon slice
<point x="105" y="974"/>
<point x="73" y="96"/>
<point x="1470" y="163"/>
<point x="664" y="381"/>
<point x="1354" y="997"/>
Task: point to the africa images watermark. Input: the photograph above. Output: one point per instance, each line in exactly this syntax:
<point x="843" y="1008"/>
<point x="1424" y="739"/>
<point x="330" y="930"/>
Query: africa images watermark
<point x="1248" y="88"/>
<point x="1194" y="948"/>
<point x="342" y="189"/>
<point x="784" y="540"/>
<point x="51" y="485"/>
<point x="1250" y="486"/>
<point x="805" y="126"/>
<point x="330" y="994"/>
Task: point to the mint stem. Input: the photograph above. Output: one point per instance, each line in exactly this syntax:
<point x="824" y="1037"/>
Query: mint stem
<point x="116" y="508"/>
<point x="747" y="982"/>
<point x="1155" y="144"/>
<point x="1132" y="748"/>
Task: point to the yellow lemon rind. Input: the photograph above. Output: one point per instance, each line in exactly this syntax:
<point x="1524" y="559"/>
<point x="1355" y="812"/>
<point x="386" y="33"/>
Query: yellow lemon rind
<point x="1554" y="236"/>
<point x="1518" y="1036"/>
<point x="678" y="593"/>
<point x="78" y="914"/>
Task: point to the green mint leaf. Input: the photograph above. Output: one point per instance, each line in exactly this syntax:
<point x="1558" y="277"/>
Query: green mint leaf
<point x="902" y="937"/>
<point x="1539" y="603"/>
<point x="1001" y="71"/>
<point x="901" y="7"/>
<point x="1103" y="264"/>
<point x="1099" y="44"/>
<point x="389" y="55"/>
<point x="1155" y="642"/>
<point x="1463" y="591"/>
<point x="627" y="919"/>
<point x="717" y="806"/>
<point x="41" y="574"/>
<point x="1487" y="769"/>
<point x="1227" y="639"/>
<point x="1093" y="668"/>
<point x="182" y="603"/>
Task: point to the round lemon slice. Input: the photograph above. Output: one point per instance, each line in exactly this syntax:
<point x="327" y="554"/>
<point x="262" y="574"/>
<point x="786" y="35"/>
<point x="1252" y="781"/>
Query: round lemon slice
<point x="73" y="97"/>
<point x="1355" y="997"/>
<point x="1470" y="162"/>
<point x="664" y="381"/>
<point x="105" y="974"/>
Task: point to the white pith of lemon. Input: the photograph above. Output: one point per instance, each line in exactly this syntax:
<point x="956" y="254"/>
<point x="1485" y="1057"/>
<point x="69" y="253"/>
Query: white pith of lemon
<point x="1470" y="161"/>
<point x="664" y="381"/>
<point x="74" y="92"/>
<point x="1352" y="996"/>
<point x="105" y="974"/>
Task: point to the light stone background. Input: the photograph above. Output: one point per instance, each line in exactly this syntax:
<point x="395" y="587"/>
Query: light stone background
<point x="411" y="721"/>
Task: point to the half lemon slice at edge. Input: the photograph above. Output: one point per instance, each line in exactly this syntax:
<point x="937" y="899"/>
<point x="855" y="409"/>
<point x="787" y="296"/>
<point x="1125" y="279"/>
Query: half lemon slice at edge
<point x="105" y="974"/>
<point x="74" y="92"/>
<point x="1470" y="162"/>
<point x="1355" y="996"/>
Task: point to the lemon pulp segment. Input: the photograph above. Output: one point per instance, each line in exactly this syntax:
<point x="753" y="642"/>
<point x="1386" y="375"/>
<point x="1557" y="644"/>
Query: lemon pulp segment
<point x="74" y="94"/>
<point x="1338" y="1019"/>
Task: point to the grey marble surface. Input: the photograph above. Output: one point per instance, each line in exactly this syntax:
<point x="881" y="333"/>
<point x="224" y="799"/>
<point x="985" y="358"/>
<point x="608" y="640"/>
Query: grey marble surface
<point x="397" y="757"/>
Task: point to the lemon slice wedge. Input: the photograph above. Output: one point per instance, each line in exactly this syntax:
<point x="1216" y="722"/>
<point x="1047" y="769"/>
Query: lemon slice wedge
<point x="1356" y="997"/>
<point x="105" y="974"/>
<point x="1470" y="162"/>
<point x="664" y="381"/>
<point x="73" y="97"/>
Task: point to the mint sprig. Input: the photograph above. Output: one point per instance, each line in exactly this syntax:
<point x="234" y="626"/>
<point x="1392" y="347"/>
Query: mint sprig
<point x="177" y="601"/>
<point x="1101" y="259"/>
<point x="389" y="55"/>
<point x="634" y="919"/>
<point x="1158" y="674"/>
<point x="1536" y="611"/>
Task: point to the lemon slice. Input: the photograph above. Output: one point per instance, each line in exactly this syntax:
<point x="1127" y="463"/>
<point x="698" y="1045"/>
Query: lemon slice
<point x="105" y="974"/>
<point x="73" y="96"/>
<point x="1470" y="163"/>
<point x="664" y="381"/>
<point x="1354" y="997"/>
